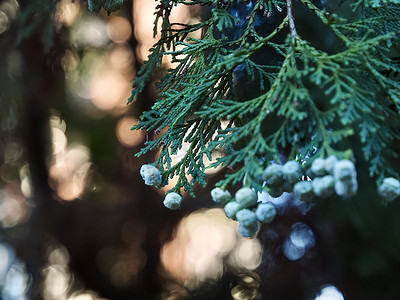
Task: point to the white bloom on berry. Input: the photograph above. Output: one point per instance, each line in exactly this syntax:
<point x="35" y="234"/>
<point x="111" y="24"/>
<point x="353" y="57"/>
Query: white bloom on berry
<point x="318" y="167"/>
<point x="246" y="217"/>
<point x="303" y="190"/>
<point x="220" y="196"/>
<point x="292" y="171"/>
<point x="330" y="162"/>
<point x="246" y="197"/>
<point x="324" y="186"/>
<point x="273" y="174"/>
<point x="389" y="189"/>
<point x="173" y="200"/>
<point x="346" y="188"/>
<point x="151" y="175"/>
<point x="344" y="170"/>
<point x="248" y="231"/>
<point x="265" y="212"/>
<point x="231" y="208"/>
<point x="248" y="224"/>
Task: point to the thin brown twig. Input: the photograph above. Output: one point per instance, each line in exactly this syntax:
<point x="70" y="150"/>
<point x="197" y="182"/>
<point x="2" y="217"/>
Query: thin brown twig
<point x="292" y="26"/>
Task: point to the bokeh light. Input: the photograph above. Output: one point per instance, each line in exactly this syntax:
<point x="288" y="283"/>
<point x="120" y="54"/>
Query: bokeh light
<point x="247" y="254"/>
<point x="14" y="209"/>
<point x="123" y="264"/>
<point x="59" y="282"/>
<point x="16" y="281"/>
<point x="69" y="164"/>
<point x="9" y="10"/>
<point x="66" y="12"/>
<point x="108" y="88"/>
<point x="119" y="29"/>
<point x="330" y="292"/>
<point x="300" y="239"/>
<point x="87" y="295"/>
<point x="56" y="282"/>
<point x="202" y="243"/>
<point x="89" y="31"/>
<point x="127" y="137"/>
<point x="247" y="289"/>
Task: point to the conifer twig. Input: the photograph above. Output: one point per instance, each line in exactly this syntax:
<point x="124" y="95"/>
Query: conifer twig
<point x="292" y="26"/>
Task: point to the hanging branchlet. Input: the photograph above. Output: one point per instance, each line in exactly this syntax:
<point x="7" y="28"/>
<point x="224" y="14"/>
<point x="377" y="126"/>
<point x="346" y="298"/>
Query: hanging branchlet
<point x="248" y="92"/>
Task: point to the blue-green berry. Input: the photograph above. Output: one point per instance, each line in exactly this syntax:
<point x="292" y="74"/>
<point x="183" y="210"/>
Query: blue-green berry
<point x="246" y="217"/>
<point x="273" y="175"/>
<point x="248" y="231"/>
<point x="173" y="200"/>
<point x="231" y="208"/>
<point x="303" y="190"/>
<point x="246" y="197"/>
<point x="389" y="189"/>
<point x="248" y="224"/>
<point x="292" y="171"/>
<point x="330" y="162"/>
<point x="220" y="196"/>
<point x="344" y="170"/>
<point x="318" y="167"/>
<point x="324" y="186"/>
<point x="346" y="188"/>
<point x="265" y="212"/>
<point x="151" y="175"/>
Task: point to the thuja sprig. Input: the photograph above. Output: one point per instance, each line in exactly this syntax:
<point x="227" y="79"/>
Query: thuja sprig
<point x="307" y="101"/>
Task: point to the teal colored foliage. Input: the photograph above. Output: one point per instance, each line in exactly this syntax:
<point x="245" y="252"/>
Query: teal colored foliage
<point x="256" y="91"/>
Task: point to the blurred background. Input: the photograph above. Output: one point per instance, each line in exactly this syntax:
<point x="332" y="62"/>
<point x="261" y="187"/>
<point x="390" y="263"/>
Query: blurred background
<point x="77" y="221"/>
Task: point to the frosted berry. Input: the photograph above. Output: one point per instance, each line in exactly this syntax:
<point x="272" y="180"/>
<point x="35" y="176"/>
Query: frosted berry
<point x="231" y="208"/>
<point x="330" y="162"/>
<point x="344" y="170"/>
<point x="265" y="212"/>
<point x="318" y="167"/>
<point x="273" y="174"/>
<point x="292" y="171"/>
<point x="246" y="217"/>
<point x="220" y="196"/>
<point x="246" y="197"/>
<point x="173" y="200"/>
<point x="323" y="186"/>
<point x="303" y="190"/>
<point x="248" y="231"/>
<point x="389" y="189"/>
<point x="151" y="175"/>
<point x="346" y="188"/>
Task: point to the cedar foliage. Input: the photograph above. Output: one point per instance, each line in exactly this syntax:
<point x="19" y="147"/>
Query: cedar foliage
<point x="278" y="88"/>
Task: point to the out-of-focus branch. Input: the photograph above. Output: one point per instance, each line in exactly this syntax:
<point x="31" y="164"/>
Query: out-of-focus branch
<point x="292" y="25"/>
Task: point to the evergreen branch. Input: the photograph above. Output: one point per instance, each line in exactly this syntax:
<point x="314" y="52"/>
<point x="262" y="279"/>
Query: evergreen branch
<point x="292" y="26"/>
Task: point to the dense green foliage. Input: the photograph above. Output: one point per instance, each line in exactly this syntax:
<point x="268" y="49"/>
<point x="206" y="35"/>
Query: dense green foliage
<point x="262" y="70"/>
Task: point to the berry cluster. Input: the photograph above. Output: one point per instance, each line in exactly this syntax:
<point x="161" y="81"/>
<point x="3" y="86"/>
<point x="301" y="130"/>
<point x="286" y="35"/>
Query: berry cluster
<point x="245" y="209"/>
<point x="324" y="178"/>
<point x="329" y="176"/>
<point x="152" y="176"/>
